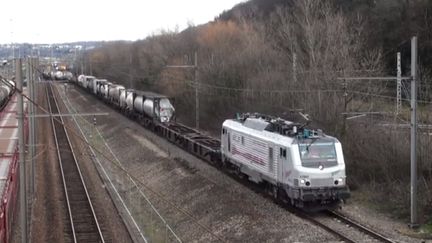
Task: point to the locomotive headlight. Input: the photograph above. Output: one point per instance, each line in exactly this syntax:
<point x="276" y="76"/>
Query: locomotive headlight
<point x="339" y="181"/>
<point x="304" y="182"/>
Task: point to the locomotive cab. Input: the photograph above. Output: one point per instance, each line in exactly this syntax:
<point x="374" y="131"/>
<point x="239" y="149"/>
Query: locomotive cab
<point x="319" y="174"/>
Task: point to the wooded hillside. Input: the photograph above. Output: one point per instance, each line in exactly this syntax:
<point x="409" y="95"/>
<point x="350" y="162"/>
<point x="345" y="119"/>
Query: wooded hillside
<point x="278" y="57"/>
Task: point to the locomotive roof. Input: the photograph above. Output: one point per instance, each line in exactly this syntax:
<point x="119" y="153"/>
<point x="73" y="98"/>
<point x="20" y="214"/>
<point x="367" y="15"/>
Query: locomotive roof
<point x="262" y="122"/>
<point x="275" y="127"/>
<point x="275" y="136"/>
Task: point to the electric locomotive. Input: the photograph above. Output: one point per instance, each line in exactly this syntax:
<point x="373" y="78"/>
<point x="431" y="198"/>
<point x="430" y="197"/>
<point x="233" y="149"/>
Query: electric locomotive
<point x="301" y="166"/>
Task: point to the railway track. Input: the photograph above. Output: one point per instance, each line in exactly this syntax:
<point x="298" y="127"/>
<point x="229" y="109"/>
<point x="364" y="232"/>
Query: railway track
<point x="82" y="224"/>
<point x="331" y="221"/>
<point x="207" y="148"/>
<point x="344" y="228"/>
<point x="358" y="226"/>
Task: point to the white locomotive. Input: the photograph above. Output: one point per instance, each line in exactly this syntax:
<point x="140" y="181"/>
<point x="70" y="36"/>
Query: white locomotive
<point x="301" y="166"/>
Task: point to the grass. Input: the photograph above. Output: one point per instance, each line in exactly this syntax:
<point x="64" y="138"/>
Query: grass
<point x="427" y="229"/>
<point x="424" y="232"/>
<point x="372" y="200"/>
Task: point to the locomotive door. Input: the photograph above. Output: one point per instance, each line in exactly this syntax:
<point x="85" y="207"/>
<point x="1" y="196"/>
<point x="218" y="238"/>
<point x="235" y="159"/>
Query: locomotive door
<point x="284" y="167"/>
<point x="229" y="142"/>
<point x="226" y="140"/>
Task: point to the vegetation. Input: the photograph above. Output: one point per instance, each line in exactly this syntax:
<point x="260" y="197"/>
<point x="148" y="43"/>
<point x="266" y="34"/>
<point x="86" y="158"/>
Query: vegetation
<point x="276" y="57"/>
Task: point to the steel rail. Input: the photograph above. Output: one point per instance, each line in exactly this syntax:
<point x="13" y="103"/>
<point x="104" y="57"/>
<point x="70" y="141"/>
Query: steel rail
<point x="194" y="137"/>
<point x="61" y="167"/>
<point x="359" y="226"/>
<point x="82" y="183"/>
<point x="306" y="216"/>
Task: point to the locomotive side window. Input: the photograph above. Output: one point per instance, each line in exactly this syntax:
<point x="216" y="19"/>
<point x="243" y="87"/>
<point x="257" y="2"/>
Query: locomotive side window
<point x="282" y="153"/>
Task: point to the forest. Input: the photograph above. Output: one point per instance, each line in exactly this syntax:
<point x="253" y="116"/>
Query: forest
<point x="282" y="57"/>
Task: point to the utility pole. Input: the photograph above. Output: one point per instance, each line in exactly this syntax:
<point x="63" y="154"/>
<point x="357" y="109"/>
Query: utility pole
<point x="399" y="84"/>
<point x="345" y="95"/>
<point x="91" y="69"/>
<point x="30" y="86"/>
<point x="197" y="84"/>
<point x="52" y="54"/>
<point x="413" y="124"/>
<point x="22" y="167"/>
<point x="414" y="222"/>
<point x="13" y="56"/>
<point x="294" y="67"/>
<point x="130" y="70"/>
<point x="82" y="62"/>
<point x="29" y="144"/>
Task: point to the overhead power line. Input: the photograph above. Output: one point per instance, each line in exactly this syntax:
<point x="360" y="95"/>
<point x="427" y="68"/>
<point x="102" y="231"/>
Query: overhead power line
<point x="157" y="194"/>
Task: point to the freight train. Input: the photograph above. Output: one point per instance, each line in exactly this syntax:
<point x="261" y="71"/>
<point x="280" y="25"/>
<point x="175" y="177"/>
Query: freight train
<point x="58" y="75"/>
<point x="6" y="90"/>
<point x="9" y="159"/>
<point x="296" y="165"/>
<point x="135" y="103"/>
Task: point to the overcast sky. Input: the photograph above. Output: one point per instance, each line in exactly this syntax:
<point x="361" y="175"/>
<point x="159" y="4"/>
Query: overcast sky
<point x="49" y="21"/>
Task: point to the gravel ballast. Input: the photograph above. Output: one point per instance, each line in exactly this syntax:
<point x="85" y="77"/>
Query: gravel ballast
<point x="199" y="202"/>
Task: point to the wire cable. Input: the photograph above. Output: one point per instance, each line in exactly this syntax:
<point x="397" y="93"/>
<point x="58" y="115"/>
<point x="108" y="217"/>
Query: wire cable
<point x="157" y="194"/>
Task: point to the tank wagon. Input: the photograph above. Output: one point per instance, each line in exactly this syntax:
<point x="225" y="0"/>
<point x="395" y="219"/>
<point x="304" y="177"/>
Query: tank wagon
<point x="301" y="165"/>
<point x="58" y="75"/>
<point x="99" y="87"/>
<point x="6" y="91"/>
<point x="9" y="172"/>
<point x="85" y="81"/>
<point x="141" y="105"/>
<point x="150" y="104"/>
<point x="114" y="93"/>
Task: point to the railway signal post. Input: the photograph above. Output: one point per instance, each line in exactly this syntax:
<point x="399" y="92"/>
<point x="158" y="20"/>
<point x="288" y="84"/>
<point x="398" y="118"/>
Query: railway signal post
<point x="196" y="84"/>
<point x="414" y="222"/>
<point x="413" y="125"/>
<point x="399" y="84"/>
<point x="196" y="92"/>
<point x="30" y="85"/>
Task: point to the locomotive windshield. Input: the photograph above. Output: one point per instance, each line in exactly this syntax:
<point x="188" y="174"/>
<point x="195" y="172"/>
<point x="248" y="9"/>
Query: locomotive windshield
<point x="165" y="103"/>
<point x="316" y="153"/>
